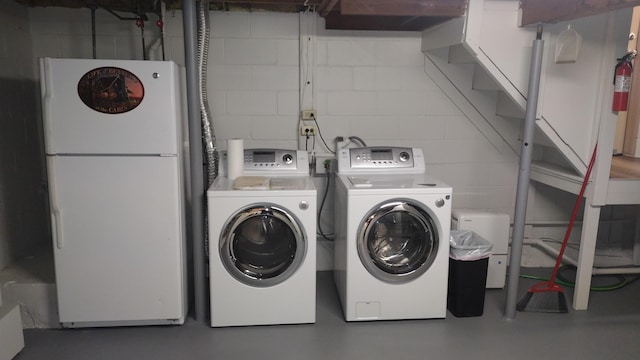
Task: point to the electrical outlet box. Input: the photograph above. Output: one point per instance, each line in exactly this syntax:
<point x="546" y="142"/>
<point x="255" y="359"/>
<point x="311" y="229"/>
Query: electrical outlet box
<point x="308" y="114"/>
<point x="308" y="130"/>
<point x="320" y="160"/>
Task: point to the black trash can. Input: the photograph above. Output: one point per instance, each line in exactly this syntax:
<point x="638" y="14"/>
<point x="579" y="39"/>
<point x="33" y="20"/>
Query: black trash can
<point x="468" y="262"/>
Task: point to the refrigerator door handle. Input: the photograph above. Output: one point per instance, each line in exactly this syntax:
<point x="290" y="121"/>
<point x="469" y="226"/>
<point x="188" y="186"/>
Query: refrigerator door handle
<point x="47" y="95"/>
<point x="56" y="222"/>
<point x="56" y="212"/>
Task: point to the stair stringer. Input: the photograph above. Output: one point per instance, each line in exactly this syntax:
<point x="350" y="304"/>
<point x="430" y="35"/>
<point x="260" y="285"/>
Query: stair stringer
<point x="515" y="87"/>
<point x="456" y="80"/>
<point x="569" y="106"/>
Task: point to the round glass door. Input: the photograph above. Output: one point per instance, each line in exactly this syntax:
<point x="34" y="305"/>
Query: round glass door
<point x="262" y="245"/>
<point x="397" y="241"/>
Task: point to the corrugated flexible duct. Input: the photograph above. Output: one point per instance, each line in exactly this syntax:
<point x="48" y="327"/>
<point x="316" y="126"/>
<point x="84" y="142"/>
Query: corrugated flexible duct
<point x="208" y="136"/>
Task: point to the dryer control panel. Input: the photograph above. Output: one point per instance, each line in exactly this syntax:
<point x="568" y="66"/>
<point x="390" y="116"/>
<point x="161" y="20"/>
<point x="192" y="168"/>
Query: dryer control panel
<point x="381" y="160"/>
<point x="270" y="159"/>
<point x="269" y="162"/>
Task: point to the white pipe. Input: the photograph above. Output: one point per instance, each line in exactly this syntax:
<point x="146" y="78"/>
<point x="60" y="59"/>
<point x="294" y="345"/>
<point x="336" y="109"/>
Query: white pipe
<point x="541" y="223"/>
<point x="555" y="252"/>
<point x="621" y="270"/>
<point x="616" y="270"/>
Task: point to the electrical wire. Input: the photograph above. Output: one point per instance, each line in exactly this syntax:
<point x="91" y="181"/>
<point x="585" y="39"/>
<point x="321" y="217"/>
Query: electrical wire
<point x="622" y="281"/>
<point x="358" y="139"/>
<point x="320" y="133"/>
<point x="324" y="198"/>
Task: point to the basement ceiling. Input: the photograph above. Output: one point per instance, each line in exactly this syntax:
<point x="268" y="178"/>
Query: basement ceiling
<point x="551" y="11"/>
<point x="407" y="15"/>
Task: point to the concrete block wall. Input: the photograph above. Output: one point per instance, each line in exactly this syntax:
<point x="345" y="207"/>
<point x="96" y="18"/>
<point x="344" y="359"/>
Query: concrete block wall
<point x="254" y="78"/>
<point x="62" y="32"/>
<point x="23" y="216"/>
<point x="376" y="88"/>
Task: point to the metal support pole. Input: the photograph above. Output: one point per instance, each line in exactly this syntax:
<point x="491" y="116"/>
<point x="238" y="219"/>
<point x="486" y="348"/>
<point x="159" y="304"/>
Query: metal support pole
<point x="524" y="175"/>
<point x="162" y="37"/>
<point x="93" y="29"/>
<point x="195" y="147"/>
<point x="144" y="46"/>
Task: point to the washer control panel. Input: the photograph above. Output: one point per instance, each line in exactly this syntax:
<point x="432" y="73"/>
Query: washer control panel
<point x="381" y="159"/>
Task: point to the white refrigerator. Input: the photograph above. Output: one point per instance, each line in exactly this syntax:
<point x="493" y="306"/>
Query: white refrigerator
<point x="114" y="148"/>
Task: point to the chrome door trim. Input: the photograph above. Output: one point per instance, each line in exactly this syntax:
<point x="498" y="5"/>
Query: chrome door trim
<point x="430" y="242"/>
<point x="228" y="235"/>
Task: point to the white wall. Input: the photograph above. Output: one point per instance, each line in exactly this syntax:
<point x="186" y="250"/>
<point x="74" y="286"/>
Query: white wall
<point x="370" y="84"/>
<point x="23" y="224"/>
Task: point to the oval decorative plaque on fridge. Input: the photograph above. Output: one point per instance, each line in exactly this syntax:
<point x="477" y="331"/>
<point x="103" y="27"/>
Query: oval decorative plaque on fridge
<point x="110" y="90"/>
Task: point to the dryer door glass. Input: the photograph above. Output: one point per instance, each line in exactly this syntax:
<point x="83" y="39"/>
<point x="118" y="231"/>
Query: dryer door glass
<point x="262" y="245"/>
<point x="397" y="241"/>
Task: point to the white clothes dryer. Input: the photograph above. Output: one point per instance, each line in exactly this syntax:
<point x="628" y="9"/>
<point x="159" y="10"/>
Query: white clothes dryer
<point x="392" y="235"/>
<point x="262" y="242"/>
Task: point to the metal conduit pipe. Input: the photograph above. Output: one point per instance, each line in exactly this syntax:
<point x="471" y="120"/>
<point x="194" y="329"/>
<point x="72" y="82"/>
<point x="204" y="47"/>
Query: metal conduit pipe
<point x="195" y="148"/>
<point x="93" y="29"/>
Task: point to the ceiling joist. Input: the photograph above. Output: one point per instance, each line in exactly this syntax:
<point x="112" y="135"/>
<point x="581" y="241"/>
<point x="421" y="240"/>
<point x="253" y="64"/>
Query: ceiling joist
<point x="449" y="8"/>
<point x="271" y="2"/>
<point x="326" y="7"/>
<point x="552" y="11"/>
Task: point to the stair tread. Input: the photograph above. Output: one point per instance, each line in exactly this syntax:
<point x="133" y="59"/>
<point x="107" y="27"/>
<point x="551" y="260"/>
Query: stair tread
<point x="556" y="169"/>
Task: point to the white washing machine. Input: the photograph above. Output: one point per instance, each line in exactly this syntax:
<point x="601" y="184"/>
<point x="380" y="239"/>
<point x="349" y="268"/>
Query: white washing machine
<point x="392" y="235"/>
<point x="262" y="242"/>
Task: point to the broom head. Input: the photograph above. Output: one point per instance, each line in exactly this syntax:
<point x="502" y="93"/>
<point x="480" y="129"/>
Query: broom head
<point x="544" y="297"/>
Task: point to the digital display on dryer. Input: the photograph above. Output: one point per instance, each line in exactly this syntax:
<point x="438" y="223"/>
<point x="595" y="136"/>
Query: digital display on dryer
<point x="264" y="156"/>
<point x="381" y="154"/>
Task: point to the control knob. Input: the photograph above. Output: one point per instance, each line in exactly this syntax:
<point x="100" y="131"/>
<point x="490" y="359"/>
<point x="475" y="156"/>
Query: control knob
<point x="287" y="159"/>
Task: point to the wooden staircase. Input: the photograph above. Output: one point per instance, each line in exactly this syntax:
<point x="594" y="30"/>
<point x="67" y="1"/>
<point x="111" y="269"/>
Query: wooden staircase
<point x="483" y="57"/>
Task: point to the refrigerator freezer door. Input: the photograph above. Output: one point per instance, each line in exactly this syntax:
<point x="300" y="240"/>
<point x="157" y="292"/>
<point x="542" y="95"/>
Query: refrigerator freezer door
<point x="110" y="106"/>
<point x="118" y="239"/>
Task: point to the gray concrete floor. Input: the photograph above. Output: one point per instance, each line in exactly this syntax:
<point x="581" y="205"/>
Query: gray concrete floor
<point x="610" y="329"/>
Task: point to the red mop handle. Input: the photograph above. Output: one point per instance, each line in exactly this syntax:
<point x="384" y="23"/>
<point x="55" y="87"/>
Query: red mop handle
<point x="573" y="218"/>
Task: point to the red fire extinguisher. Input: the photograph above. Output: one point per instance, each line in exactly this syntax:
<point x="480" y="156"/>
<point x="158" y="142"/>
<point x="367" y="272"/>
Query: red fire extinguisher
<point x="622" y="82"/>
